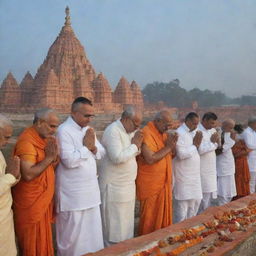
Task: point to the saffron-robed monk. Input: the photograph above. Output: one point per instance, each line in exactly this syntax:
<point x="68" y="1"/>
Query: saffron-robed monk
<point x="155" y="174"/>
<point x="33" y="195"/>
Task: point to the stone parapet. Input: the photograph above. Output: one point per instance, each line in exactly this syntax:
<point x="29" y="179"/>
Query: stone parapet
<point x="224" y="230"/>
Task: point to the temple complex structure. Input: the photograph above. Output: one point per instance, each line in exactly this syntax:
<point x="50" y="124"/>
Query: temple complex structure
<point x="65" y="74"/>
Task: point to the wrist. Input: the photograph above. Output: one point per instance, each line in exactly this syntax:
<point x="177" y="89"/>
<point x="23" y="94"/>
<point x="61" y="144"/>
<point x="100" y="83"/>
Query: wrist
<point x="168" y="148"/>
<point x="49" y="159"/>
<point x="93" y="148"/>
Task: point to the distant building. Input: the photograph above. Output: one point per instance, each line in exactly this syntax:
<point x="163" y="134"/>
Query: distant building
<point x="65" y="74"/>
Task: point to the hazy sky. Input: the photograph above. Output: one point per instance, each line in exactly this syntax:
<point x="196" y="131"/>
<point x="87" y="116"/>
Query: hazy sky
<point x="204" y="43"/>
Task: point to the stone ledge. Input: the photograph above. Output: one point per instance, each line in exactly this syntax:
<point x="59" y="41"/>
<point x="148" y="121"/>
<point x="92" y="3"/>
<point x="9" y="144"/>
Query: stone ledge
<point x="243" y="241"/>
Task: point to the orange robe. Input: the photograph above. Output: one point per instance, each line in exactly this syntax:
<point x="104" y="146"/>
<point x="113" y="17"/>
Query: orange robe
<point x="33" y="200"/>
<point x="154" y="185"/>
<point x="242" y="174"/>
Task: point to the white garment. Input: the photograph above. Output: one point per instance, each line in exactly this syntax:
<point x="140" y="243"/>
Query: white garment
<point x="223" y="200"/>
<point x="76" y="176"/>
<point x="226" y="186"/>
<point x="117" y="217"/>
<point x="208" y="161"/>
<point x="79" y="232"/>
<point x="186" y="166"/>
<point x="252" y="182"/>
<point x="225" y="161"/>
<point x="77" y="192"/>
<point x="117" y="174"/>
<point x="207" y="201"/>
<point x="249" y="136"/>
<point x="7" y="236"/>
<point x="226" y="170"/>
<point x="185" y="209"/>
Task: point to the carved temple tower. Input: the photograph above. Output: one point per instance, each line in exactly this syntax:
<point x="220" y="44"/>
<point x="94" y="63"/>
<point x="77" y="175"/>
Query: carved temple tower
<point x="65" y="74"/>
<point x="10" y="95"/>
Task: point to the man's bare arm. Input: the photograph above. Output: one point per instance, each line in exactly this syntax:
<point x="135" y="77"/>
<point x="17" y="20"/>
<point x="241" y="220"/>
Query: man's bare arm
<point x="152" y="157"/>
<point x="30" y="171"/>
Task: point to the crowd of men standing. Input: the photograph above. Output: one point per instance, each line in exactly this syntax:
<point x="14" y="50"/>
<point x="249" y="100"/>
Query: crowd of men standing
<point x="53" y="177"/>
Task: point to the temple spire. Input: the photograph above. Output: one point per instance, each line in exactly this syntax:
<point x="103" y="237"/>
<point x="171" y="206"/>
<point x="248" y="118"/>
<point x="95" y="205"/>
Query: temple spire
<point x="67" y="18"/>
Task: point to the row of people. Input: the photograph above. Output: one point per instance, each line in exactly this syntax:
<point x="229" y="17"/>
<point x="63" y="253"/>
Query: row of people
<point x="212" y="164"/>
<point x="94" y="206"/>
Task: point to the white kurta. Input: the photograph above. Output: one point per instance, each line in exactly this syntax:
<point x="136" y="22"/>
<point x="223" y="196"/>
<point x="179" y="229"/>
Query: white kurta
<point x="249" y="136"/>
<point x="225" y="161"/>
<point x="208" y="161"/>
<point x="117" y="174"/>
<point x="77" y="190"/>
<point x="7" y="236"/>
<point x="226" y="170"/>
<point x="186" y="166"/>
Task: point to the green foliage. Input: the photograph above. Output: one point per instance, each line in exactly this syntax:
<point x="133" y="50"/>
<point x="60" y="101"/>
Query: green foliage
<point x="175" y="96"/>
<point x="245" y="100"/>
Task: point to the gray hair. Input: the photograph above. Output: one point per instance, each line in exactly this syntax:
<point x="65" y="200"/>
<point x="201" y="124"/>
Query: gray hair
<point x="252" y="119"/>
<point x="4" y="121"/>
<point x="42" y="114"/>
<point x="129" y="112"/>
<point x="161" y="114"/>
<point x="158" y="116"/>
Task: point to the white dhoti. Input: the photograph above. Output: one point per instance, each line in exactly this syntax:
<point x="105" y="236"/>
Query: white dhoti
<point x="117" y="211"/>
<point x="252" y="182"/>
<point x="79" y="232"/>
<point x="207" y="201"/>
<point x="224" y="200"/>
<point x="7" y="237"/>
<point x="226" y="188"/>
<point x="185" y="209"/>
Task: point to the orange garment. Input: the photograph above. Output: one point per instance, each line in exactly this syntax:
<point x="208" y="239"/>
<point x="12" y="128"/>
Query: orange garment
<point x="154" y="185"/>
<point x="33" y="200"/>
<point x="242" y="174"/>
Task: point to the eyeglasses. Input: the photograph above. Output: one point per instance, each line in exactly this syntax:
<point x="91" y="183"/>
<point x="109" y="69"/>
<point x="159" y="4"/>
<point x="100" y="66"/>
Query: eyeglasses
<point x="88" y="116"/>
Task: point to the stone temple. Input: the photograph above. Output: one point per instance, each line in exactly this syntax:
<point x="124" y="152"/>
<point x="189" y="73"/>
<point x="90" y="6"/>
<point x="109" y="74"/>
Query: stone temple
<point x="65" y="74"/>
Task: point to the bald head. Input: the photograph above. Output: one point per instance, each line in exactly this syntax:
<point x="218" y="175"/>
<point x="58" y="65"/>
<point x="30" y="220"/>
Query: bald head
<point x="5" y="130"/>
<point x="163" y="121"/>
<point x="228" y="125"/>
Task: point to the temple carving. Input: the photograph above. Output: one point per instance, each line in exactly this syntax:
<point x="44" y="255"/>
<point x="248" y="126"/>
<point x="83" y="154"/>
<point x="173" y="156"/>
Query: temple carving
<point x="65" y="74"/>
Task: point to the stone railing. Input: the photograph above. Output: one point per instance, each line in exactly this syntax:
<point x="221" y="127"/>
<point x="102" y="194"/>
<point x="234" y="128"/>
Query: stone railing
<point x="224" y="230"/>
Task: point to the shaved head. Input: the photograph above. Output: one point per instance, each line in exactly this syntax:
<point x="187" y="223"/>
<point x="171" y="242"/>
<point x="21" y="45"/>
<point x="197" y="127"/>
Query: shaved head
<point x="229" y="121"/>
<point x="228" y="125"/>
